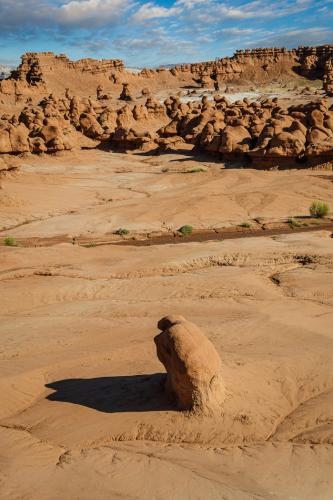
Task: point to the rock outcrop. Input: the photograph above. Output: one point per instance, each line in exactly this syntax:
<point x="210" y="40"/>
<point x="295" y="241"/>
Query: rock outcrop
<point x="126" y="93"/>
<point x="261" y="65"/>
<point x="193" y="366"/>
<point x="35" y="65"/>
<point x="328" y="78"/>
<point x="260" y="131"/>
<point x="40" y="70"/>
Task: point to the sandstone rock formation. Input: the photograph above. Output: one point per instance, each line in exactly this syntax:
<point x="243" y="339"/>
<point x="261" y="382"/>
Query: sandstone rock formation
<point x="193" y="366"/>
<point x="263" y="131"/>
<point x="125" y="93"/>
<point x="36" y="65"/>
<point x="260" y="65"/>
<point x="259" y="131"/>
<point x="47" y="70"/>
<point x="328" y="78"/>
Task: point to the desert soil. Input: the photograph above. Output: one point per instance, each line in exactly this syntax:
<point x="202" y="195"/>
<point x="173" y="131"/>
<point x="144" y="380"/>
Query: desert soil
<point x="82" y="411"/>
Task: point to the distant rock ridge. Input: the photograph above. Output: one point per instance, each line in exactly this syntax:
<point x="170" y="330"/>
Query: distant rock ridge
<point x="35" y="64"/>
<point x="247" y="65"/>
<point x="262" y="63"/>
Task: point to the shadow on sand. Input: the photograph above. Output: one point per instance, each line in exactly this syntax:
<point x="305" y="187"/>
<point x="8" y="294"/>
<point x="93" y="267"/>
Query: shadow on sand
<point x="123" y="393"/>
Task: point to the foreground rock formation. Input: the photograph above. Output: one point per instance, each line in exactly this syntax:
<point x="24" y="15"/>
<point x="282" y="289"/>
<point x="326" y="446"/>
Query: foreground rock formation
<point x="193" y="365"/>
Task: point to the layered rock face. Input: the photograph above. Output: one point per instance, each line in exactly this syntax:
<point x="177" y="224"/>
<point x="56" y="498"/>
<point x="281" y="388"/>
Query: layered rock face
<point x="39" y="71"/>
<point x="258" y="65"/>
<point x="35" y="64"/>
<point x="245" y="66"/>
<point x="193" y="366"/>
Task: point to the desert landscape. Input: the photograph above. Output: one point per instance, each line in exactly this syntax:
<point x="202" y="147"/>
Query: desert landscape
<point x="166" y="275"/>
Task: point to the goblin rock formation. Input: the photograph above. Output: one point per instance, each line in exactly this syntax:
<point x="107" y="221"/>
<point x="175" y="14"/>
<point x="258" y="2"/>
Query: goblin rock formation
<point x="328" y="78"/>
<point x="193" y="366"/>
<point x="126" y="93"/>
<point x="262" y="132"/>
<point x="259" y="131"/>
<point x="256" y="131"/>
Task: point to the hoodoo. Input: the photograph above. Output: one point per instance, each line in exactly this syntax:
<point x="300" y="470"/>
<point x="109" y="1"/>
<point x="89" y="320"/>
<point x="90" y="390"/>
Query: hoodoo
<point x="193" y="365"/>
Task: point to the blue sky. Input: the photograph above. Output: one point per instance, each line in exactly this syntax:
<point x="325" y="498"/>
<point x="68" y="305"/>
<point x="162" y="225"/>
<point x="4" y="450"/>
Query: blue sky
<point x="159" y="32"/>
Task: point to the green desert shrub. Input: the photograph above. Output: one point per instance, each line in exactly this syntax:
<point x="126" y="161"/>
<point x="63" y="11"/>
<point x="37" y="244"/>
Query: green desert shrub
<point x="319" y="209"/>
<point x="195" y="170"/>
<point x="294" y="222"/>
<point x="122" y="232"/>
<point x="186" y="230"/>
<point x="247" y="225"/>
<point x="10" y="241"/>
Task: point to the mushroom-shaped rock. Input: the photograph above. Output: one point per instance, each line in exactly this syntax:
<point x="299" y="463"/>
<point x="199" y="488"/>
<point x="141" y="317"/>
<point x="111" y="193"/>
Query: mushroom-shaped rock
<point x="126" y="93"/>
<point x="193" y="366"/>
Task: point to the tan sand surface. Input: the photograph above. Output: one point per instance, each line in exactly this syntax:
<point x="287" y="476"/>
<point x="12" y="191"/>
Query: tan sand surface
<point x="83" y="414"/>
<point x="96" y="192"/>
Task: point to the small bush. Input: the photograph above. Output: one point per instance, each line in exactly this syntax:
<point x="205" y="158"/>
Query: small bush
<point x="194" y="170"/>
<point x="294" y="222"/>
<point x="90" y="245"/>
<point x="10" y="241"/>
<point x="186" y="230"/>
<point x="319" y="209"/>
<point x="305" y="259"/>
<point x="165" y="169"/>
<point x="247" y="225"/>
<point x="122" y="232"/>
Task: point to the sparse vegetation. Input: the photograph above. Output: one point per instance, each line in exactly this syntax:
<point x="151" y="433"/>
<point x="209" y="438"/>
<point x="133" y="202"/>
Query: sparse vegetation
<point x="165" y="169"/>
<point x="122" y="232"/>
<point x="247" y="225"/>
<point x="294" y="222"/>
<point x="186" y="230"/>
<point x="90" y="245"/>
<point x="319" y="209"/>
<point x="9" y="241"/>
<point x="305" y="259"/>
<point x="194" y="170"/>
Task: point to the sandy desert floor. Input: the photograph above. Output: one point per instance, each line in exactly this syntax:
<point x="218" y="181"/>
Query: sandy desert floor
<point x="82" y="410"/>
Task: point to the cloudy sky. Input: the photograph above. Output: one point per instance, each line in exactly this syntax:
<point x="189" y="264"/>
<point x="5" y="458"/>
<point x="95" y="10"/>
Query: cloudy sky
<point x="159" y="31"/>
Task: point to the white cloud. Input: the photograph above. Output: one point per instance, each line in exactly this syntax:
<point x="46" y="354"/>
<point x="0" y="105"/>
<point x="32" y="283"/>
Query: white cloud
<point x="294" y="37"/>
<point x="237" y="31"/>
<point x="92" y="12"/>
<point x="151" y="11"/>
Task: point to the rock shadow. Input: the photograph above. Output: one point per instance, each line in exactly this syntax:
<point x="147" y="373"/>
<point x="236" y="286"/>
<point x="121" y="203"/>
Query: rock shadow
<point x="122" y="393"/>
